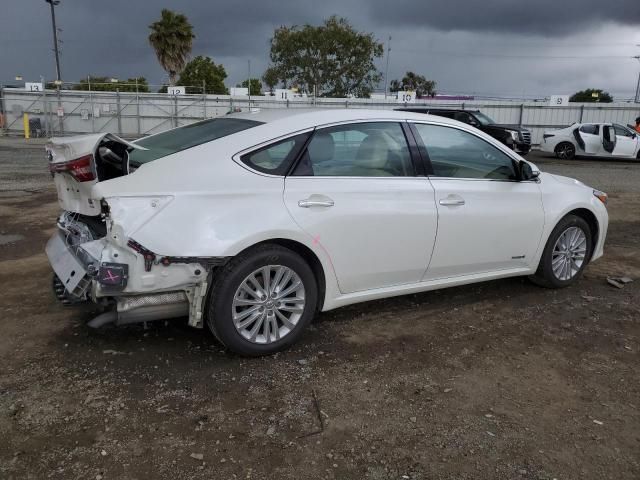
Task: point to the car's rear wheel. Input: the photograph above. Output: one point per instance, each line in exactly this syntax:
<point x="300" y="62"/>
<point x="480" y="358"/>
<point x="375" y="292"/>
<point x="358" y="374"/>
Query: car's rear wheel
<point x="565" y="151"/>
<point x="566" y="253"/>
<point x="262" y="300"/>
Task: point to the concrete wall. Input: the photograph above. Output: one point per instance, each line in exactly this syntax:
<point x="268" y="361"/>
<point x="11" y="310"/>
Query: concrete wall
<point x="134" y="115"/>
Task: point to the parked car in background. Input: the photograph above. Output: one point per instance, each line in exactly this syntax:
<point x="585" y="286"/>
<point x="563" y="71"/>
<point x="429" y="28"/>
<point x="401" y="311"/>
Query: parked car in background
<point x="593" y="140"/>
<point x="513" y="136"/>
<point x="251" y="223"/>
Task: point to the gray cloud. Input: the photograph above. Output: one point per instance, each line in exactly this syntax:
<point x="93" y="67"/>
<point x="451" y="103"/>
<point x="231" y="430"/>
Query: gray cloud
<point x="466" y="45"/>
<point x="554" y="17"/>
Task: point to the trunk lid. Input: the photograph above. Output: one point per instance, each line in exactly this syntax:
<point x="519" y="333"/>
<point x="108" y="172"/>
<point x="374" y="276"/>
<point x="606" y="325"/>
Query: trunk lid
<point x="77" y="163"/>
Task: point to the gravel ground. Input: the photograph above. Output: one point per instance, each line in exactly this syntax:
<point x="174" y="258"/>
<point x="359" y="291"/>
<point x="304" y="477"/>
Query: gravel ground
<point x="501" y="380"/>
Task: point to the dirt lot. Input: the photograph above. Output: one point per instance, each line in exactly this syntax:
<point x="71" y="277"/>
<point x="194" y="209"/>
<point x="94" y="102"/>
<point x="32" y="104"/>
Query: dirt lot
<point x="501" y="380"/>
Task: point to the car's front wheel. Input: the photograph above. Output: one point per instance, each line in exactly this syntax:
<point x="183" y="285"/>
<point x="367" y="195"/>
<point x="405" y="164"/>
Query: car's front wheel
<point x="565" y="151"/>
<point x="566" y="253"/>
<point x="262" y="300"/>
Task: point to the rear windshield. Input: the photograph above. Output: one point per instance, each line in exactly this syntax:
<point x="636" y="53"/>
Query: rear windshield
<point x="178" y="139"/>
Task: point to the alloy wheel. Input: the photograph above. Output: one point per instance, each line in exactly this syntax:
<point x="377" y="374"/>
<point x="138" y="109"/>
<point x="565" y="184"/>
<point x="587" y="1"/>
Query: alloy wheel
<point x="268" y="304"/>
<point x="569" y="253"/>
<point x="565" y="151"/>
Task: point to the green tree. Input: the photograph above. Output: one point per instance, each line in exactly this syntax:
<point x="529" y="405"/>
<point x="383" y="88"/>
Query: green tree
<point x="105" y="84"/>
<point x="270" y="78"/>
<point x="204" y="70"/>
<point x="256" y="86"/>
<point x="172" y="38"/>
<point x="417" y="83"/>
<point x="333" y="59"/>
<point x="587" y="96"/>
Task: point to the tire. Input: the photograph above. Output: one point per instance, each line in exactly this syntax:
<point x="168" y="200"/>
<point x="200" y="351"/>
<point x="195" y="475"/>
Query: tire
<point x="565" y="151"/>
<point x="550" y="273"/>
<point x="234" y="294"/>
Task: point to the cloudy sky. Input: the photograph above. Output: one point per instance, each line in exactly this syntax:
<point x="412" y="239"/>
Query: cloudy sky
<point x="485" y="47"/>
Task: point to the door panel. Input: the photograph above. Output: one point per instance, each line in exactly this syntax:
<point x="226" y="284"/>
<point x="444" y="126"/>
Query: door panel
<point x="591" y="136"/>
<point x="487" y="219"/>
<point x="354" y="191"/>
<point x="485" y="226"/>
<point x="626" y="142"/>
<point x="609" y="139"/>
<point x="378" y="232"/>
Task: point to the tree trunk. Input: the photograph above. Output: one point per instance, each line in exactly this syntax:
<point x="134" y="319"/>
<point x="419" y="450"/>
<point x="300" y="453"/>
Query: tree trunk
<point x="172" y="78"/>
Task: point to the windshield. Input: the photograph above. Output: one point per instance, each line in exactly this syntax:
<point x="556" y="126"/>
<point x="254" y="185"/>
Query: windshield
<point x="178" y="139"/>
<point x="483" y="119"/>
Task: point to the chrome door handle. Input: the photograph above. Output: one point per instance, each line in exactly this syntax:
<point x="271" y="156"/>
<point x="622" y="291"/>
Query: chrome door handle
<point x="451" y="202"/>
<point x="315" y="203"/>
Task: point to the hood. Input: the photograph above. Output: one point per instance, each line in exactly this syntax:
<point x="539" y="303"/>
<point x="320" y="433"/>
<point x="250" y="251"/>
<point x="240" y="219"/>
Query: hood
<point x="567" y="180"/>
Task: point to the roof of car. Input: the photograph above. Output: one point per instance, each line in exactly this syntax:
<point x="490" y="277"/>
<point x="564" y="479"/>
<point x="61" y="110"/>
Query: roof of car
<point x="436" y="109"/>
<point x="301" y="118"/>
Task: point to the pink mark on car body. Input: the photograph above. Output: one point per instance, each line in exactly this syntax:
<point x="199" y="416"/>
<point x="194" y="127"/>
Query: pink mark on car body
<point x="316" y="240"/>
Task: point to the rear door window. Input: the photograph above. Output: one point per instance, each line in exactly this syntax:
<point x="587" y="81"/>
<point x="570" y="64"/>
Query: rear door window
<point x="590" y="129"/>
<point x="375" y="149"/>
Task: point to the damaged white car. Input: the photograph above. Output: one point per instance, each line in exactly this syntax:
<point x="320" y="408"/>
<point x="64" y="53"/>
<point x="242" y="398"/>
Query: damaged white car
<point x="251" y="223"/>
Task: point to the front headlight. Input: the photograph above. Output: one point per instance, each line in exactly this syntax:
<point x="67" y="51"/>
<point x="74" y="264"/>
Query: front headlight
<point x="603" y="197"/>
<point x="515" y="135"/>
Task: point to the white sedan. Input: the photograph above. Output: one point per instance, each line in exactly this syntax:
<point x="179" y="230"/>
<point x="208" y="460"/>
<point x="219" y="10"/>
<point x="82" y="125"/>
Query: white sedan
<point x="251" y="223"/>
<point x="592" y="140"/>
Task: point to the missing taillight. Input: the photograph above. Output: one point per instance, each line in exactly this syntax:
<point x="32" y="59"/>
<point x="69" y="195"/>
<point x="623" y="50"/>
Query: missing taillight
<point x="80" y="169"/>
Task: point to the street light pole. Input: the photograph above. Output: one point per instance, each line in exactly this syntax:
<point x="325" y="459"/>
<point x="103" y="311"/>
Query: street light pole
<point x="53" y="3"/>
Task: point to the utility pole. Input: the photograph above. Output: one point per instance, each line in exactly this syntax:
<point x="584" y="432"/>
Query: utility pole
<point x="386" y="72"/>
<point x="53" y="4"/>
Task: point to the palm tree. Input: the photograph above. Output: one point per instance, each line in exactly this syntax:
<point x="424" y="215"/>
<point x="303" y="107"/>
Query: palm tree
<point x="172" y="37"/>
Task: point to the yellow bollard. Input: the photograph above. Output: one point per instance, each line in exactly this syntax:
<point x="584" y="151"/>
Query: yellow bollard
<point x="25" y="122"/>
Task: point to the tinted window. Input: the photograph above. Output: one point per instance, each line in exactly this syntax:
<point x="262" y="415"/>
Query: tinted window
<point x="276" y="158"/>
<point x="462" y="117"/>
<point x="484" y="119"/>
<point x="622" y="131"/>
<point x="358" y="150"/>
<point x="458" y="154"/>
<point x="590" y="129"/>
<point x="179" y="139"/>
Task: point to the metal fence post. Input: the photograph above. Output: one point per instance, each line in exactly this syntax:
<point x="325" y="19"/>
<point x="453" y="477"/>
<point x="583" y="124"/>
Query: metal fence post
<point x="93" y="112"/>
<point x="204" y="99"/>
<point x="175" y="111"/>
<point x="581" y="113"/>
<point x="118" y="110"/>
<point x="60" y="117"/>
<point x="137" y="108"/>
<point x="3" y="122"/>
<point x="521" y="114"/>
<point x="44" y="108"/>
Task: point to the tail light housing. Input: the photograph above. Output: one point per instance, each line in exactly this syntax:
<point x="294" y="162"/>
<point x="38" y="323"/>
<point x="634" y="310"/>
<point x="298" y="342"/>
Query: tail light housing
<point x="80" y="169"/>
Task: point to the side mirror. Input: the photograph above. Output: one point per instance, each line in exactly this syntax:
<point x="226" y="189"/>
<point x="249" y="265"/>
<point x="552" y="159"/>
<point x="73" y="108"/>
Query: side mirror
<point x="474" y="123"/>
<point x="526" y="172"/>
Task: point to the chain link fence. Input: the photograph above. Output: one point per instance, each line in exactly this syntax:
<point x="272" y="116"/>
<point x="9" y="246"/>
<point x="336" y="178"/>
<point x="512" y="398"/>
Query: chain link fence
<point x="135" y="114"/>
